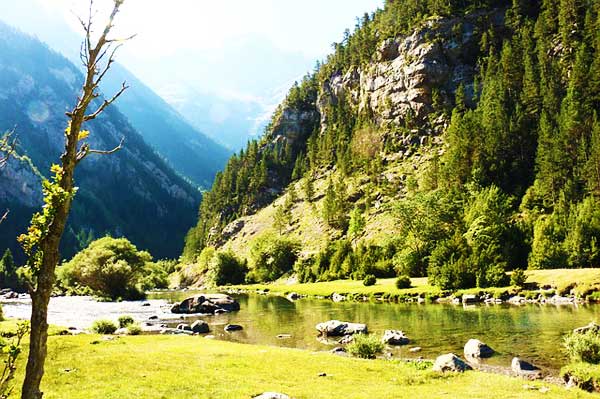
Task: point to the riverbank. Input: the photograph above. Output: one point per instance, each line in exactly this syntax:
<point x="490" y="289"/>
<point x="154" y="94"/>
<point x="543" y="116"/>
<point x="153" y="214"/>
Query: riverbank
<point x="193" y="367"/>
<point x="575" y="283"/>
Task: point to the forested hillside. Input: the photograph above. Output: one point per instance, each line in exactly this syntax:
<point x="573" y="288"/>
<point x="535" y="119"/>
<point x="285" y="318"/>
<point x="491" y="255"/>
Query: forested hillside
<point x="453" y="139"/>
<point x="132" y="193"/>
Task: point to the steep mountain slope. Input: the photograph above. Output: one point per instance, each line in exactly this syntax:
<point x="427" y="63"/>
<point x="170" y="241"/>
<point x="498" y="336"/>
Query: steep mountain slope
<point x="132" y="193"/>
<point x="190" y="152"/>
<point x="452" y="139"/>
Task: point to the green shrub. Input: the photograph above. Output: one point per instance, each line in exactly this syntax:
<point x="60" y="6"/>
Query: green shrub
<point x="594" y="297"/>
<point x="125" y="321"/>
<point x="225" y="268"/>
<point x="271" y="257"/>
<point x="583" y="375"/>
<point x="369" y="280"/>
<point x="518" y="278"/>
<point x="403" y="282"/>
<point x="104" y="327"/>
<point x="134" y="329"/>
<point x="110" y="267"/>
<point x="583" y="347"/>
<point x="365" y="346"/>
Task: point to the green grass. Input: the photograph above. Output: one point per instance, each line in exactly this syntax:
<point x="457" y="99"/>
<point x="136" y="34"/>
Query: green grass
<point x="383" y="286"/>
<point x="192" y="367"/>
<point x="558" y="278"/>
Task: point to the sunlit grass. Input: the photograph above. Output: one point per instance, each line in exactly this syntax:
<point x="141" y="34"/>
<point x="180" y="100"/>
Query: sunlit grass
<point x="192" y="367"/>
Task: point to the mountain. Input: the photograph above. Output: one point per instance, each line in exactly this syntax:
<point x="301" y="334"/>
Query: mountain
<point x="456" y="140"/>
<point x="132" y="193"/>
<point x="190" y="152"/>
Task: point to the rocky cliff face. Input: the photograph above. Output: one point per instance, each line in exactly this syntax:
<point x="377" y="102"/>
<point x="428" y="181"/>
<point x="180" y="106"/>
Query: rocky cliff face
<point x="400" y="82"/>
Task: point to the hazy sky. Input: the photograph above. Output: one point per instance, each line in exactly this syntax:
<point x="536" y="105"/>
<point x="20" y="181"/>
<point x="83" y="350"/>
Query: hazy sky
<point x="219" y="38"/>
<point x="225" y="61"/>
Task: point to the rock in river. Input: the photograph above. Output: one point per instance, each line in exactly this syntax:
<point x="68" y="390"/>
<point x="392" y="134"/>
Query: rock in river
<point x="590" y="327"/>
<point x="450" y="362"/>
<point x="206" y="304"/>
<point x="200" y="327"/>
<point x="395" y="337"/>
<point x="336" y="328"/>
<point x="233" y="327"/>
<point x="475" y="349"/>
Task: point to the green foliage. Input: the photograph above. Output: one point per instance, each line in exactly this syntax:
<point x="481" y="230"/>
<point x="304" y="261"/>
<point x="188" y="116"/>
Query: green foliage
<point x="11" y="349"/>
<point x="335" y="207"/>
<point x="225" y="268"/>
<point x="357" y="223"/>
<point x="403" y="282"/>
<point x="134" y="329"/>
<point x="271" y="257"/>
<point x="583" y="347"/>
<point x="110" y="267"/>
<point x="518" y="278"/>
<point x="369" y="280"/>
<point x="365" y="346"/>
<point x="9" y="277"/>
<point x="125" y="321"/>
<point x="104" y="327"/>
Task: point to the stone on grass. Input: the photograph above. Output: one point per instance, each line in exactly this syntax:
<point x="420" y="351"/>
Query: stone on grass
<point x="476" y="349"/>
<point x="525" y="369"/>
<point x="450" y="362"/>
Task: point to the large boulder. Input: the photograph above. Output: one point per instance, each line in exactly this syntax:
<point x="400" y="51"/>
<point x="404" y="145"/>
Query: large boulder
<point x="450" y="362"/>
<point x="336" y="328"/>
<point x="395" y="337"/>
<point x="475" y="349"/>
<point x="206" y="304"/>
<point x="524" y="369"/>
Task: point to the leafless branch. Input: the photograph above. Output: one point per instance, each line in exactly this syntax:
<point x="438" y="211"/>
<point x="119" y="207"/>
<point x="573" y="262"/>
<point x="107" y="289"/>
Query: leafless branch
<point x="106" y="103"/>
<point x="85" y="150"/>
<point x="3" y="218"/>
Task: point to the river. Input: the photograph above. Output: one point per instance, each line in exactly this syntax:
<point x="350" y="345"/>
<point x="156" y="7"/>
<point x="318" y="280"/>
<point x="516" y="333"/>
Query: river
<point x="533" y="332"/>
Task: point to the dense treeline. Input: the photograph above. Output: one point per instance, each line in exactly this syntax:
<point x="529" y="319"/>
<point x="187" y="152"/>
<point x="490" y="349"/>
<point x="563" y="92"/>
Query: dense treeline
<point x="517" y="184"/>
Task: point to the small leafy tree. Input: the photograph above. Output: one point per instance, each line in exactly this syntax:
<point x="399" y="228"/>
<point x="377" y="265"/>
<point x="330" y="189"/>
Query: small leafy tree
<point x="12" y="350"/>
<point x="8" y="272"/>
<point x="357" y="223"/>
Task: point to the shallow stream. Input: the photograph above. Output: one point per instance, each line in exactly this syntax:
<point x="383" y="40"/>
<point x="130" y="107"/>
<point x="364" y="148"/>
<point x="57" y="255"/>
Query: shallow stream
<point x="533" y="332"/>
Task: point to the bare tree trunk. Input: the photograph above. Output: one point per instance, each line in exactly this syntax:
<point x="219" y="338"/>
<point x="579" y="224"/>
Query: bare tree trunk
<point x="48" y="246"/>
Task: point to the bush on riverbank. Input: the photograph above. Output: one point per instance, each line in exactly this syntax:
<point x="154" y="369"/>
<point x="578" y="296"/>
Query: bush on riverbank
<point x="109" y="267"/>
<point x="104" y="327"/>
<point x="369" y="280"/>
<point x="583" y="375"/>
<point x="403" y="282"/>
<point x="125" y="321"/>
<point x="365" y="346"/>
<point x="583" y="347"/>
